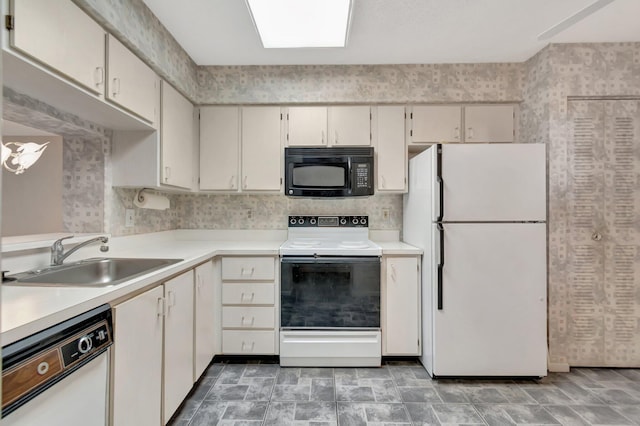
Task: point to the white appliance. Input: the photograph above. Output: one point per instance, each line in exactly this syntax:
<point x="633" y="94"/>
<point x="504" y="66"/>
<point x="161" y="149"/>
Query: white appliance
<point x="329" y="293"/>
<point x="478" y="211"/>
<point x="60" y="376"/>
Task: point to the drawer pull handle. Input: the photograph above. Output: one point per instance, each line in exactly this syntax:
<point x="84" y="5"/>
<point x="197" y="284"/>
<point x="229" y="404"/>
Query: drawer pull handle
<point x="250" y="323"/>
<point x="250" y="271"/>
<point x="250" y="347"/>
<point x="43" y="367"/>
<point x="242" y="298"/>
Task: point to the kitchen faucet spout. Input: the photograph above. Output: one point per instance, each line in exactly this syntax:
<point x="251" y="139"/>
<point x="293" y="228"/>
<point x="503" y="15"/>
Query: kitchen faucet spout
<point x="57" y="250"/>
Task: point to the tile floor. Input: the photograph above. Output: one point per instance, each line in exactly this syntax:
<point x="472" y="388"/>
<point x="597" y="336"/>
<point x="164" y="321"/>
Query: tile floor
<point x="401" y="393"/>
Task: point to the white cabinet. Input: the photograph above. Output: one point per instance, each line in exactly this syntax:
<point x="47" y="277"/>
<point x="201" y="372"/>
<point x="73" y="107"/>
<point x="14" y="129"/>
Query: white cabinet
<point x="329" y="126"/>
<point x="153" y="356"/>
<point x="307" y="126"/>
<point x="60" y="35"/>
<point x="178" y="342"/>
<point x="489" y="123"/>
<point x="219" y="148"/>
<point x="391" y="150"/>
<point x="249" y="305"/>
<point x="177" y="138"/>
<point x="455" y="123"/>
<point x="401" y="306"/>
<point x="205" y="318"/>
<point x="261" y="149"/>
<point x="130" y="82"/>
<point x="137" y="360"/>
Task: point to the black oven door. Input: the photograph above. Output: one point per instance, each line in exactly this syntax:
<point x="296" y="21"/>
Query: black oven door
<point x="330" y="292"/>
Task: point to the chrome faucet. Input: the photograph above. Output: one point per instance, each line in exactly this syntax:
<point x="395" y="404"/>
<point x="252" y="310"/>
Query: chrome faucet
<point x="57" y="250"/>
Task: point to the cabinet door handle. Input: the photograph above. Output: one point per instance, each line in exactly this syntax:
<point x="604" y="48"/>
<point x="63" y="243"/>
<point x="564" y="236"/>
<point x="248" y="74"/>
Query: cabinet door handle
<point x="244" y="182"/>
<point x="242" y="271"/>
<point x="231" y="181"/>
<point x="98" y="76"/>
<point x="243" y="299"/>
<point x="456" y="133"/>
<point x="250" y="347"/>
<point x="160" y="306"/>
<point x="383" y="182"/>
<point x="470" y="133"/>
<point x="247" y="324"/>
<point x="393" y="273"/>
<point x="322" y="137"/>
<point x="116" y="86"/>
<point x="199" y="282"/>
<point x="336" y="137"/>
<point x="167" y="173"/>
<point x="172" y="299"/>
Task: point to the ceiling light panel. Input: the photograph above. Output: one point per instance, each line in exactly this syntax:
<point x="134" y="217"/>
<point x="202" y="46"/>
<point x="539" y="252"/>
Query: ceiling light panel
<point x="301" y="23"/>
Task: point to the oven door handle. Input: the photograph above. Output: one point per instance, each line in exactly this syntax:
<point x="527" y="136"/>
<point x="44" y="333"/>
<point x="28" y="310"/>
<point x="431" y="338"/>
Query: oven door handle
<point x="331" y="259"/>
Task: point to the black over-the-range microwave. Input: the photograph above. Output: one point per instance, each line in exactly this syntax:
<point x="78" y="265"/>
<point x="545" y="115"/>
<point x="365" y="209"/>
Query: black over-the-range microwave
<point x="328" y="172"/>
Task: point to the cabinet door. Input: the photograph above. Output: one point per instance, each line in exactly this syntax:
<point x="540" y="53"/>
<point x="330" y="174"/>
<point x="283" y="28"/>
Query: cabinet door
<point x="131" y="83"/>
<point x="488" y="123"/>
<point x="350" y="125"/>
<point x="391" y="150"/>
<point x="178" y="341"/>
<point x="137" y="360"/>
<point x="219" y="148"/>
<point x="205" y="318"/>
<point x="307" y="126"/>
<point x="60" y="35"/>
<point x="177" y="138"/>
<point x="402" y="306"/>
<point x="435" y="124"/>
<point x="261" y="151"/>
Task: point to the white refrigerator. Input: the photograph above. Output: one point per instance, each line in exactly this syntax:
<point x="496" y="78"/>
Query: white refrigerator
<point x="479" y="213"/>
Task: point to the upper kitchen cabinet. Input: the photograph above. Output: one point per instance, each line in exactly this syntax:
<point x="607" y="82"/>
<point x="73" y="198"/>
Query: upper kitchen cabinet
<point x="261" y="149"/>
<point x="219" y="148"/>
<point x="177" y="138"/>
<point x="391" y="152"/>
<point x="61" y="36"/>
<point x="329" y="126"/>
<point x="489" y="123"/>
<point x="130" y="82"/>
<point x="429" y="124"/>
<point x="163" y="159"/>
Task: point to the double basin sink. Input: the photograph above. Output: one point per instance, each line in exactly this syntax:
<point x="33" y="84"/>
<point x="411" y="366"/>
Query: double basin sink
<point x="98" y="272"/>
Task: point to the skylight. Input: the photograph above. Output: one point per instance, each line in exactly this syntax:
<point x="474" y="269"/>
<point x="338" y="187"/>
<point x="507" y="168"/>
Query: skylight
<point x="301" y="23"/>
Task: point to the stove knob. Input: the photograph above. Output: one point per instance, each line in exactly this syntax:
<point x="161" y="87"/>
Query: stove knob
<point x="301" y="221"/>
<point x="84" y="344"/>
<point x="343" y="221"/>
<point x="354" y="220"/>
<point x="312" y="221"/>
<point x="292" y="221"/>
<point x="363" y="221"/>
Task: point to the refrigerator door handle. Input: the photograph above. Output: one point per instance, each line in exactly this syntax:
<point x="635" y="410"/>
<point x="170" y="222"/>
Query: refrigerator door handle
<point x="440" y="183"/>
<point x="440" y="266"/>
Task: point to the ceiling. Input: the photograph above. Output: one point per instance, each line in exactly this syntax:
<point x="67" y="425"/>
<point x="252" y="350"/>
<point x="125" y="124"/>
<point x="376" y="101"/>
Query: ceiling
<point x="221" y="32"/>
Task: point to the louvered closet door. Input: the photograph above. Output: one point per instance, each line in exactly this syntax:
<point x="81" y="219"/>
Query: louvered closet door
<point x="603" y="237"/>
<point x="622" y="243"/>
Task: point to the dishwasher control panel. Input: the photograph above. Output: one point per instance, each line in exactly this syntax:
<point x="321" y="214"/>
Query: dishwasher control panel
<point x="84" y="344"/>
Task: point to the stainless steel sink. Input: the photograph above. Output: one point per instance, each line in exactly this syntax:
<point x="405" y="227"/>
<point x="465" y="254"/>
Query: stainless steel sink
<point x="99" y="272"/>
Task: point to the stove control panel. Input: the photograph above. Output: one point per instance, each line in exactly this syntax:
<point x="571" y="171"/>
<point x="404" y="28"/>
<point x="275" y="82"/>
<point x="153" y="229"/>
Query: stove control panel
<point x="328" y="221"/>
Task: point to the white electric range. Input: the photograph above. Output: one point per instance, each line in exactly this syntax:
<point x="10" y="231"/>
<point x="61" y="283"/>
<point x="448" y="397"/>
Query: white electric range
<point x="329" y="293"/>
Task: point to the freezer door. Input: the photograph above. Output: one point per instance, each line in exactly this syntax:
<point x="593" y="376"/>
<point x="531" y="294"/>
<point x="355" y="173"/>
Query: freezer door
<point x="492" y="318"/>
<point x="492" y="183"/>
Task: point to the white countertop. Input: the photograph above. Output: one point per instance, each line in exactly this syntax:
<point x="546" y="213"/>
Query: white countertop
<point x="28" y="309"/>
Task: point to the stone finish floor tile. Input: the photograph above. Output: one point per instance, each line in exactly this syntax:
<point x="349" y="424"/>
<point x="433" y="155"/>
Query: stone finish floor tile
<point x="251" y="393"/>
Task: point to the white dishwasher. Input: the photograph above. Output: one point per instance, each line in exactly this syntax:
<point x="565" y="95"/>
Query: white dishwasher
<point x="59" y="376"/>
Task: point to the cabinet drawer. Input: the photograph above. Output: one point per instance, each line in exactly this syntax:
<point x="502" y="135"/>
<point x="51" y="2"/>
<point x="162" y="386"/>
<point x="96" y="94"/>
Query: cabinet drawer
<point x="248" y="342"/>
<point x="248" y="268"/>
<point x="248" y="294"/>
<point x="248" y="317"/>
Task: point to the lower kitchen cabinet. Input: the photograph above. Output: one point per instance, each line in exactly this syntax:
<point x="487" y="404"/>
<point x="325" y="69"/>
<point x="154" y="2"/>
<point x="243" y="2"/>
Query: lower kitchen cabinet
<point x="401" y="305"/>
<point x="152" y="368"/>
<point x="137" y="360"/>
<point x="205" y="318"/>
<point x="178" y="342"/>
<point x="249" y="305"/>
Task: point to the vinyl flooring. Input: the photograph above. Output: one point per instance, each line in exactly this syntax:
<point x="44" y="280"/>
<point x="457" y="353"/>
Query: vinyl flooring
<point x="401" y="393"/>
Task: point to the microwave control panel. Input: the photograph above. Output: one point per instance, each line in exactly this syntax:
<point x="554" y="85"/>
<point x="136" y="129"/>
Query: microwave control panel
<point x="362" y="176"/>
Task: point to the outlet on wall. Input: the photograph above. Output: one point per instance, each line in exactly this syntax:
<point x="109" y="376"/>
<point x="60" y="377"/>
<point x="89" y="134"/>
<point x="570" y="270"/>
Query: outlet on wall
<point x="386" y="215"/>
<point x="129" y="218"/>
